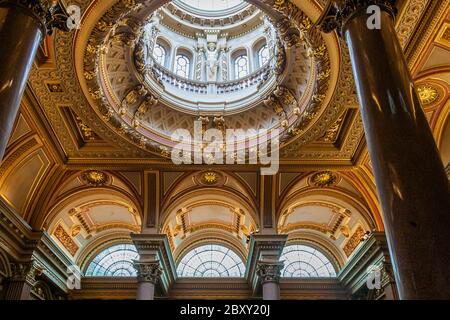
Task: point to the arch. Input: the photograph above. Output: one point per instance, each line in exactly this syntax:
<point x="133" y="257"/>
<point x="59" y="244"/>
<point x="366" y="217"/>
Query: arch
<point x="302" y="261"/>
<point x="240" y="61"/>
<point x="257" y="48"/>
<point x="217" y="237"/>
<point x="99" y="244"/>
<point x="183" y="64"/>
<point x="166" y="46"/>
<point x="209" y="261"/>
<point x="115" y="261"/>
<point x="323" y="244"/>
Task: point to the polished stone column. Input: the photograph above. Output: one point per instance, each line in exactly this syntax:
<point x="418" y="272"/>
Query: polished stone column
<point x="269" y="273"/>
<point x="23" y="25"/>
<point x="22" y="280"/>
<point x="148" y="273"/>
<point x="412" y="185"/>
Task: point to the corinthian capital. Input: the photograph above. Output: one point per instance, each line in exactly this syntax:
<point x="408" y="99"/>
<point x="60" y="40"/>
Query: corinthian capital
<point x="148" y="271"/>
<point x="338" y="12"/>
<point x="25" y="271"/>
<point x="50" y="13"/>
<point x="269" y="271"/>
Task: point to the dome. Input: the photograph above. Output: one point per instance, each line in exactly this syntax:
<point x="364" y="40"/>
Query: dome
<point x="224" y="65"/>
<point x="211" y="7"/>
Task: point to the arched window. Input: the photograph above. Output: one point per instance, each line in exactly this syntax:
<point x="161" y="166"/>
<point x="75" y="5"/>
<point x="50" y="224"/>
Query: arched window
<point x="305" y="262"/>
<point x="241" y="66"/>
<point x="182" y="66"/>
<point x="211" y="261"/>
<point x="159" y="53"/>
<point x="263" y="55"/>
<point x="116" y="261"/>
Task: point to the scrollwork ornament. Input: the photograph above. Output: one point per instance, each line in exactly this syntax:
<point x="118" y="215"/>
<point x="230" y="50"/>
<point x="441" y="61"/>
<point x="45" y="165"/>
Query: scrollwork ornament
<point x="337" y="13"/>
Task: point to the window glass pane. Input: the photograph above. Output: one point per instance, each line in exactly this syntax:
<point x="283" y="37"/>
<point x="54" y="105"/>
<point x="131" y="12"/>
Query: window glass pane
<point x="303" y="261"/>
<point x="211" y="261"/>
<point x="182" y="66"/>
<point x="116" y="261"/>
<point x="263" y="55"/>
<point x="241" y="66"/>
<point x="159" y="53"/>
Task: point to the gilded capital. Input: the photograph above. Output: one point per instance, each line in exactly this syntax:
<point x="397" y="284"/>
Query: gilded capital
<point x="269" y="271"/>
<point x="338" y="12"/>
<point x="51" y="14"/>
<point x="148" y="271"/>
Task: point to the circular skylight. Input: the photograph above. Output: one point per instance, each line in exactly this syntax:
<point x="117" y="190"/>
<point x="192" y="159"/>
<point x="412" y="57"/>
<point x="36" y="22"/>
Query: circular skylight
<point x="212" y="5"/>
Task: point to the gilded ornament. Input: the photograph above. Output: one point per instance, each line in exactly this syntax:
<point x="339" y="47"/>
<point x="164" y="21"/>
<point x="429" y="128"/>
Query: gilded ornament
<point x="66" y="240"/>
<point x="210" y="177"/>
<point x="427" y="94"/>
<point x="95" y="178"/>
<point x="324" y="179"/>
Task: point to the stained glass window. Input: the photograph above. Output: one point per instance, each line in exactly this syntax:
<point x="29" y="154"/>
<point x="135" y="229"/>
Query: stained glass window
<point x="241" y="66"/>
<point x="263" y="55"/>
<point x="211" y="261"/>
<point x="159" y="53"/>
<point x="305" y="262"/>
<point x="182" y="66"/>
<point x="116" y="261"/>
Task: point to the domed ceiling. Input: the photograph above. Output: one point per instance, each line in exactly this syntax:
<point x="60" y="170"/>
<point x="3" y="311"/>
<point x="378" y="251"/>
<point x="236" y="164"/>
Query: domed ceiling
<point x="127" y="105"/>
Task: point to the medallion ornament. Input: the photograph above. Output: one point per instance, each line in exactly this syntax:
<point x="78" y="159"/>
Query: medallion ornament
<point x="210" y="177"/>
<point x="427" y="94"/>
<point x="324" y="179"/>
<point x="94" y="178"/>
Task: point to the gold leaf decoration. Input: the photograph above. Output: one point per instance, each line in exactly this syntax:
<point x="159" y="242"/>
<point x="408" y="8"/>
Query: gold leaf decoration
<point x="427" y="94"/>
<point x="95" y="178"/>
<point x="324" y="179"/>
<point x="354" y="241"/>
<point x="66" y="240"/>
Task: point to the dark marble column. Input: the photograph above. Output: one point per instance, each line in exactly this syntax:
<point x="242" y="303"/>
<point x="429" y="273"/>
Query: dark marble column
<point x="23" y="25"/>
<point x="412" y="185"/>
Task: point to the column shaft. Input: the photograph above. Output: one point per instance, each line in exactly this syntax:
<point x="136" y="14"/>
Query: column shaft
<point x="412" y="186"/>
<point x="145" y="291"/>
<point x="271" y="291"/>
<point x="20" y="35"/>
<point x="18" y="290"/>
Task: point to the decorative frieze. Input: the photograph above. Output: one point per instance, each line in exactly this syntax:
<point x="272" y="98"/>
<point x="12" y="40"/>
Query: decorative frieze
<point x="66" y="240"/>
<point x="354" y="241"/>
